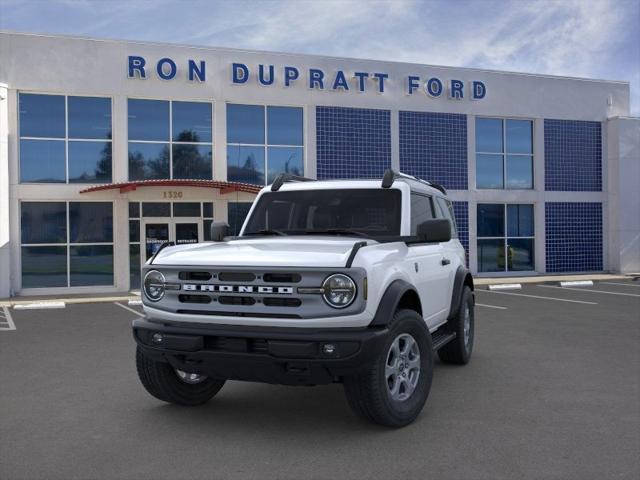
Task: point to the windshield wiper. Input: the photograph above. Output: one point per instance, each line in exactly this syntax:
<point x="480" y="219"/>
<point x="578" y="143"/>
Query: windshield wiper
<point x="337" y="231"/>
<point x="267" y="232"/>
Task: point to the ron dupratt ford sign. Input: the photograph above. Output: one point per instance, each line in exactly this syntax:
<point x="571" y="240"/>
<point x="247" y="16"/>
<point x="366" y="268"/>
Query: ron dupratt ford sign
<point x="314" y="78"/>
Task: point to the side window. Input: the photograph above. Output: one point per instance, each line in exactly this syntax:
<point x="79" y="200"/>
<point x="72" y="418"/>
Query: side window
<point x="421" y="210"/>
<point x="446" y="211"/>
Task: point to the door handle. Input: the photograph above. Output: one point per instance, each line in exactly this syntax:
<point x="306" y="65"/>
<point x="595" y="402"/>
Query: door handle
<point x="445" y="262"/>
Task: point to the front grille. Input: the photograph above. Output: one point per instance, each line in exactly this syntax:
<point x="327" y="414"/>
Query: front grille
<point x="236" y="276"/>
<point x="194" y="299"/>
<point x="267" y="292"/>
<point x="195" y="276"/>
<point x="231" y="300"/>
<point x="282" y="302"/>
<point x="282" y="277"/>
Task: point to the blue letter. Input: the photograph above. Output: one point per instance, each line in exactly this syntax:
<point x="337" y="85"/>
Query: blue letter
<point x="433" y="87"/>
<point x="261" y="78"/>
<point x="361" y="76"/>
<point x="316" y="77"/>
<point x="290" y="74"/>
<point x="340" y="81"/>
<point x="136" y="64"/>
<point x="172" y="68"/>
<point x="455" y="90"/>
<point x="412" y="84"/>
<point x="239" y="67"/>
<point x="380" y="77"/>
<point x="479" y="90"/>
<point x="194" y="71"/>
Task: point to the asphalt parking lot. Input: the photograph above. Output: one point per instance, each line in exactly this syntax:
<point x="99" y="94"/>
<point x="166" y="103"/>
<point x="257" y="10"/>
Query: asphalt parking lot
<point x="553" y="391"/>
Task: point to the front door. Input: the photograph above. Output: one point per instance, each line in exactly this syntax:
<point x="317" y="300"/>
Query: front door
<point x="161" y="230"/>
<point x="155" y="234"/>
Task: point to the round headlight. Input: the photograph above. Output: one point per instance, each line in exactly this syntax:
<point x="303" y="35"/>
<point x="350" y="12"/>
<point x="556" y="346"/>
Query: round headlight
<point x="154" y="285"/>
<point x="339" y="290"/>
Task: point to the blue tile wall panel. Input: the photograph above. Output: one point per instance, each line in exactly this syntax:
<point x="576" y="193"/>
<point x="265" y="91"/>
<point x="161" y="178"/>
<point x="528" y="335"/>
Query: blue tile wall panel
<point x="572" y="155"/>
<point x="352" y="142"/>
<point x="433" y="146"/>
<point x="461" y="211"/>
<point x="573" y="236"/>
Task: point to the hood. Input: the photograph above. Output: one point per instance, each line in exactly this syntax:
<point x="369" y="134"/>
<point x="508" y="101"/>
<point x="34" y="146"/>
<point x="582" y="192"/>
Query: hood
<point x="312" y="251"/>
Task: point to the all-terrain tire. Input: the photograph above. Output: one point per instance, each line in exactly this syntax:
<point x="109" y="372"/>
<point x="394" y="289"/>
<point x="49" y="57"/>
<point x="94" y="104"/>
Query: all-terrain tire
<point x="368" y="392"/>
<point x="458" y="351"/>
<point x="161" y="380"/>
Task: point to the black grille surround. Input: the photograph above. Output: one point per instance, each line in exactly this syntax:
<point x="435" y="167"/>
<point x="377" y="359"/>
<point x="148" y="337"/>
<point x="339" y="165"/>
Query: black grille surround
<point x="273" y="292"/>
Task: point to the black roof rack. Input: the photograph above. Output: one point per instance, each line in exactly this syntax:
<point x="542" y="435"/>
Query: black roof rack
<point x="287" y="177"/>
<point x="390" y="176"/>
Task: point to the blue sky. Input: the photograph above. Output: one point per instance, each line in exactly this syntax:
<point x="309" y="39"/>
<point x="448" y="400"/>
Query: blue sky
<point x="583" y="38"/>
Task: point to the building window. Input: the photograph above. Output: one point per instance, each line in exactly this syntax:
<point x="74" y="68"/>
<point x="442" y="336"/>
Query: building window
<point x="263" y="142"/>
<point x="170" y="140"/>
<point x="65" y="139"/>
<point x="66" y="244"/>
<point x="505" y="237"/>
<point x="504" y="153"/>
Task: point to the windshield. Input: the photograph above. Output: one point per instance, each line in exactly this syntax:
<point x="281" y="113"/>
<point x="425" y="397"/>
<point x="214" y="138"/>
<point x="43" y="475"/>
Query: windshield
<point x="359" y="212"/>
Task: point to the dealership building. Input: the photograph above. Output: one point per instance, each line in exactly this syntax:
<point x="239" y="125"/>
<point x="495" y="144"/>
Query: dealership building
<point x="110" y="148"/>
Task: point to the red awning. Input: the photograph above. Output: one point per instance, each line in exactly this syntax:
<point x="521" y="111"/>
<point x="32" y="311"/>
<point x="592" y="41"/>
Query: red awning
<point x="224" y="187"/>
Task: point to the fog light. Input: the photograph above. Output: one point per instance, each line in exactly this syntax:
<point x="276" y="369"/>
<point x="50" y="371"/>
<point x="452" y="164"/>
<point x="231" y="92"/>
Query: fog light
<point x="157" y="338"/>
<point x="329" y="348"/>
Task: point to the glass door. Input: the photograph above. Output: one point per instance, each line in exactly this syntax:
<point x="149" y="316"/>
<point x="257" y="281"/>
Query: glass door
<point x="156" y="232"/>
<point x="187" y="231"/>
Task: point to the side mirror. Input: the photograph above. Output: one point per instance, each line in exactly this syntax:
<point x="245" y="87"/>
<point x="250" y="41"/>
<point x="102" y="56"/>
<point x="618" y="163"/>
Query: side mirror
<point x="219" y="230"/>
<point x="434" y="230"/>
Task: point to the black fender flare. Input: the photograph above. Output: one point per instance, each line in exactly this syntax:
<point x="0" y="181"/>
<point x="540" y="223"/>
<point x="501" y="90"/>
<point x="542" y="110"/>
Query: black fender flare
<point x="389" y="302"/>
<point x="463" y="277"/>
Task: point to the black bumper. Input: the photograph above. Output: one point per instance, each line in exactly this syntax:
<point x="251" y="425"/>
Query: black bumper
<point x="289" y="356"/>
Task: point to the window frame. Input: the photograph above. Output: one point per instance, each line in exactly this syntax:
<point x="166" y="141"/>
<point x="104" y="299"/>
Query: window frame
<point x="413" y="227"/>
<point x="67" y="244"/>
<point x="505" y="238"/>
<point x="504" y="154"/>
<point x="266" y="145"/>
<point x="66" y="139"/>
<point x="170" y="142"/>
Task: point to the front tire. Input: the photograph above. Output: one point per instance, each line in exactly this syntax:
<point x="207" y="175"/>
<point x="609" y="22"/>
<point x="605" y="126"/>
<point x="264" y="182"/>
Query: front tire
<point x="392" y="390"/>
<point x="174" y="386"/>
<point x="458" y="351"/>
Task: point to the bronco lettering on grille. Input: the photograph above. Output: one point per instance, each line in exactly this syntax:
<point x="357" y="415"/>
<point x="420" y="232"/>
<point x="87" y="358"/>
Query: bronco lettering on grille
<point x="191" y="287"/>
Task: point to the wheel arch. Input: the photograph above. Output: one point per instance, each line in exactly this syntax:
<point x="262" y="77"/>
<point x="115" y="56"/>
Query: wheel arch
<point x="462" y="279"/>
<point x="399" y="294"/>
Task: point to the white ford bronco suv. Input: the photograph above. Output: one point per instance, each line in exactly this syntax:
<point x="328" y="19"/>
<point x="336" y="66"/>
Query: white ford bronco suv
<point x="350" y="281"/>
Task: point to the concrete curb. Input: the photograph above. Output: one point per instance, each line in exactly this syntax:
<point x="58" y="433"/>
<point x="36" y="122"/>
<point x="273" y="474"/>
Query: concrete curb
<point x="68" y="301"/>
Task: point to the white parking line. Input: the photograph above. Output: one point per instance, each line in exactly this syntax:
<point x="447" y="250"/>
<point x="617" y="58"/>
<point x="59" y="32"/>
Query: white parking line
<point x="490" y="306"/>
<point x="140" y="314"/>
<point x="622" y="284"/>
<point x="591" y="290"/>
<point x="538" y="296"/>
<point x="9" y="321"/>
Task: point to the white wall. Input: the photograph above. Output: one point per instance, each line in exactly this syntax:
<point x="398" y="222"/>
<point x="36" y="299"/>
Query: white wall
<point x="81" y="66"/>
<point x="623" y="158"/>
<point x="5" y="245"/>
